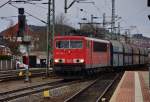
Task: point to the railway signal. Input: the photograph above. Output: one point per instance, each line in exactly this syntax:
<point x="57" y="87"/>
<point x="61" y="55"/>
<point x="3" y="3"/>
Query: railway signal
<point x="149" y="17"/>
<point x="148" y="3"/>
<point x="24" y="40"/>
<point x="21" y="22"/>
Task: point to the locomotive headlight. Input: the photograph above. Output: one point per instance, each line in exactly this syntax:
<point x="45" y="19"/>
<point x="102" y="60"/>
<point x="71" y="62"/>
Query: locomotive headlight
<point x="81" y="60"/>
<point x="56" y="60"/>
<point x="78" y="60"/>
<point x="59" y="60"/>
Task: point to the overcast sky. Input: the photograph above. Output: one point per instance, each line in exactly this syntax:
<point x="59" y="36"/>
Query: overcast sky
<point x="133" y="13"/>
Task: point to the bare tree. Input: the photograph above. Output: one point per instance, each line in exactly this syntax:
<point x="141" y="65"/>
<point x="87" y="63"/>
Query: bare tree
<point x="88" y="27"/>
<point x="62" y="27"/>
<point x="61" y="19"/>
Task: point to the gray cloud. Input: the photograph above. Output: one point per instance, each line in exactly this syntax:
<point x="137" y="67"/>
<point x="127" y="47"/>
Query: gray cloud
<point x="133" y="12"/>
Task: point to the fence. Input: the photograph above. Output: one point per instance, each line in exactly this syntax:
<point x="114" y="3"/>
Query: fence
<point x="7" y="65"/>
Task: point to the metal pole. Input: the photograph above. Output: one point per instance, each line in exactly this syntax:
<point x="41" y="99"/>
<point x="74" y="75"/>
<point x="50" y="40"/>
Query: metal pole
<point x="104" y="20"/>
<point x="149" y="75"/>
<point x="113" y="17"/>
<point x="104" y="23"/>
<point x="118" y="35"/>
<point x="91" y="18"/>
<point x="48" y="32"/>
<point x="27" y="79"/>
<point x="129" y="35"/>
<point x="126" y="33"/>
<point x="53" y="30"/>
<point x="65" y="6"/>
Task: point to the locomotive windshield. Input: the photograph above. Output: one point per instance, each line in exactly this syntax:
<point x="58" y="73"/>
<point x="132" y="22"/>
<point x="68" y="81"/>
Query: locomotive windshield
<point x="69" y="44"/>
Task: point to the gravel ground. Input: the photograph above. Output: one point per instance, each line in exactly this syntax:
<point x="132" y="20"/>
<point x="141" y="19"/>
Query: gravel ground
<point x="60" y="97"/>
<point x="12" y="85"/>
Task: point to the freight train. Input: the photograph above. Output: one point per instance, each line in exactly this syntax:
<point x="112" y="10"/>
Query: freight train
<point x="85" y="54"/>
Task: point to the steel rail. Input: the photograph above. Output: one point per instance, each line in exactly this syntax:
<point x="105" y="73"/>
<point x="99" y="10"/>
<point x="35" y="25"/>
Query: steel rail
<point x="32" y="90"/>
<point x="107" y="82"/>
<point x="14" y="76"/>
<point x="108" y="87"/>
<point x="73" y="96"/>
<point x="30" y="87"/>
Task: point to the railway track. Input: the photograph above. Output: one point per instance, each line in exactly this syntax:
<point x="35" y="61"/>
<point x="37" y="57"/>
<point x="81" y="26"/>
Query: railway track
<point x="8" y="76"/>
<point x="16" y="77"/>
<point x="13" y="94"/>
<point x="98" y="90"/>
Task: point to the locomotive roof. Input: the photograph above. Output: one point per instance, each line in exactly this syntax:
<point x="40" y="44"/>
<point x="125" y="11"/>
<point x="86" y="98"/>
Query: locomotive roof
<point x="83" y="37"/>
<point x="69" y="36"/>
<point x="98" y="40"/>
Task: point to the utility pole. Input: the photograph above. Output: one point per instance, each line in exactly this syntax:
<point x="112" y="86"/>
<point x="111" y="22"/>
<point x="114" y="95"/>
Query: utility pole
<point x="48" y="35"/>
<point x="118" y="36"/>
<point x="113" y="17"/>
<point x="104" y="23"/>
<point x="129" y="36"/>
<point x="104" y="20"/>
<point x="71" y="4"/>
<point x="91" y="18"/>
<point x="50" y="32"/>
<point x="67" y="7"/>
<point x="126" y="36"/>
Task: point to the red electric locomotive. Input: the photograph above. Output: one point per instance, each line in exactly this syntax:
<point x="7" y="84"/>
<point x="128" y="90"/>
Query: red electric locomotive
<point x="85" y="55"/>
<point x="79" y="53"/>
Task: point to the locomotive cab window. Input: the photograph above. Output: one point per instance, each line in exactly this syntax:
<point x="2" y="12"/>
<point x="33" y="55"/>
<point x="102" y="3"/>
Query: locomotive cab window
<point x="62" y="44"/>
<point x="69" y="44"/>
<point x="99" y="47"/>
<point x="76" y="44"/>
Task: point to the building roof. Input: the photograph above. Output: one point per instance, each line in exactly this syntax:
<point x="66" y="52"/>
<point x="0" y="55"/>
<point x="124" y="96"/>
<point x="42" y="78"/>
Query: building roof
<point x="13" y="30"/>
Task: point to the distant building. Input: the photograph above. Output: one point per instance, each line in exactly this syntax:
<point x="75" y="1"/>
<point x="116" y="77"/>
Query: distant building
<point x="140" y="40"/>
<point x="4" y="50"/>
<point x="10" y="36"/>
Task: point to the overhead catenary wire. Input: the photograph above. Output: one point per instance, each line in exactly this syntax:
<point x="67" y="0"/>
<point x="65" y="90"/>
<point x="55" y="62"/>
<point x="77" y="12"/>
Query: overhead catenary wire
<point x="30" y="14"/>
<point x="136" y="28"/>
<point x="98" y="9"/>
<point x="5" y="3"/>
<point x="8" y="17"/>
<point x="36" y="4"/>
<point x="107" y="5"/>
<point x="30" y="2"/>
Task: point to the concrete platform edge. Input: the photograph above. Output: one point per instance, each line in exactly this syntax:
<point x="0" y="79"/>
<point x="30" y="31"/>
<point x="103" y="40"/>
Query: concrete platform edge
<point x="113" y="98"/>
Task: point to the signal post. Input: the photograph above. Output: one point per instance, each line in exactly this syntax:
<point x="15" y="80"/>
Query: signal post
<point x="148" y="4"/>
<point x="24" y="41"/>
